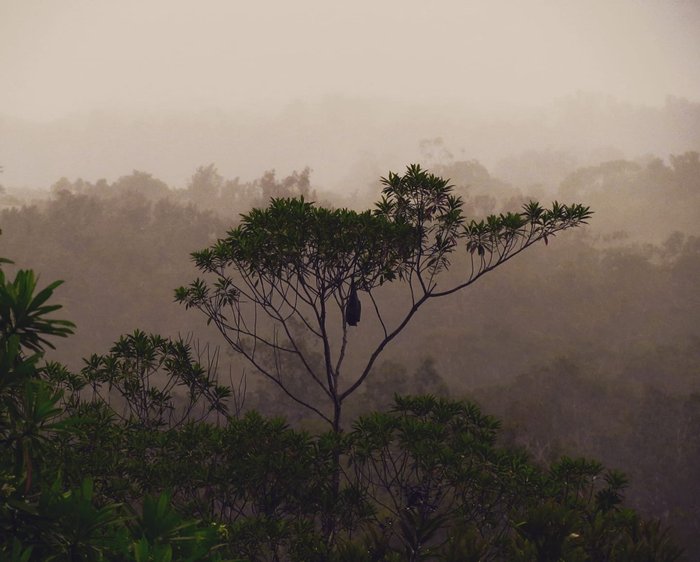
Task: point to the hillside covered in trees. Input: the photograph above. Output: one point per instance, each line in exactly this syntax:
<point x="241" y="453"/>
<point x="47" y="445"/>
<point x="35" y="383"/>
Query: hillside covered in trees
<point x="587" y="345"/>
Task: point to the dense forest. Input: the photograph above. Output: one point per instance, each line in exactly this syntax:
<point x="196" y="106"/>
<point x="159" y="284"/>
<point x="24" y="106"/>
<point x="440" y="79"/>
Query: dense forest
<point x="584" y="346"/>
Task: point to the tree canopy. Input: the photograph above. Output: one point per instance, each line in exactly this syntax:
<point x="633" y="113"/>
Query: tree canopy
<point x="287" y="272"/>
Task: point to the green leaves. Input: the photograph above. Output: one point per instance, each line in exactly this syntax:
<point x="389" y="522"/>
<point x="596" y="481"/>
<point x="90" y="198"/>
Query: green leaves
<point x="164" y="534"/>
<point x="148" y="370"/>
<point x="422" y="462"/>
<point x="34" y="419"/>
<point x="426" y="203"/>
<point x="29" y="408"/>
<point x="74" y="525"/>
<point x="497" y="233"/>
<point x="80" y="528"/>
<point x="292" y="237"/>
<point x="23" y="313"/>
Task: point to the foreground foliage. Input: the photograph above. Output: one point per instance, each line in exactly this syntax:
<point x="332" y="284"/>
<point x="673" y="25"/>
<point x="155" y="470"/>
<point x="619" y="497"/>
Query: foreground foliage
<point x="425" y="480"/>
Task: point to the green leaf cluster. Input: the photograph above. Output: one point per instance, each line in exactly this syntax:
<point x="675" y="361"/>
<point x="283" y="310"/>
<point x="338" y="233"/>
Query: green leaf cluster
<point x="23" y="313"/>
<point x="159" y="381"/>
<point x="39" y="518"/>
<point x="292" y="238"/>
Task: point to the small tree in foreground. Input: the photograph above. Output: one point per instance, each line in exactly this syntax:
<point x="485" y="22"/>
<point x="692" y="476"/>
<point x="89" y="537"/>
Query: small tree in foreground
<point x="294" y="273"/>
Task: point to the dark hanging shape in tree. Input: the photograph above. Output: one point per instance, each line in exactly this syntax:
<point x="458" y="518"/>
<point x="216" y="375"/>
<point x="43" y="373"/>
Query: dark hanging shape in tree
<point x="353" y="310"/>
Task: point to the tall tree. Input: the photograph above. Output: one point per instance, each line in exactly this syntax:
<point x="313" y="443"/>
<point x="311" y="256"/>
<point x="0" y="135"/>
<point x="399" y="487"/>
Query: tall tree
<point x="283" y="288"/>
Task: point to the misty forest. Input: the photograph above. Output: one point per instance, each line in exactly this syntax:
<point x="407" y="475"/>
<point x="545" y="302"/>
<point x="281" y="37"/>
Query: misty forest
<point x="443" y="332"/>
<point x="465" y="439"/>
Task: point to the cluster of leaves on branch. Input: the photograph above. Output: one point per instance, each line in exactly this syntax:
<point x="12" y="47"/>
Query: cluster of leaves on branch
<point x="427" y="202"/>
<point x="146" y="370"/>
<point x="317" y="250"/>
<point x="22" y="312"/>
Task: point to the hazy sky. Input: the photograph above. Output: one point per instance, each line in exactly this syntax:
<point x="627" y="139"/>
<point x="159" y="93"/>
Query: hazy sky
<point x="67" y="56"/>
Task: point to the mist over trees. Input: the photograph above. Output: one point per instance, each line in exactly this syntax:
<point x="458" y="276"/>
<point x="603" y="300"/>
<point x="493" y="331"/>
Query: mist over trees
<point x="587" y="346"/>
<point x="300" y="281"/>
<point x="521" y="145"/>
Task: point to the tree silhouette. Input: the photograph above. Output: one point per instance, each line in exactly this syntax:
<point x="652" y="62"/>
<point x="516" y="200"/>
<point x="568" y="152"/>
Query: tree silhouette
<point x="286" y="275"/>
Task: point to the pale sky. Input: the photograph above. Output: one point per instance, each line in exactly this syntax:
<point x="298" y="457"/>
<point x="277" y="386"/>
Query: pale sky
<point x="61" y="57"/>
